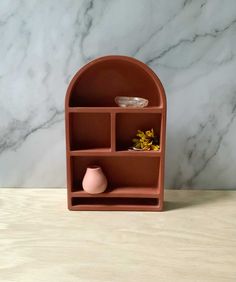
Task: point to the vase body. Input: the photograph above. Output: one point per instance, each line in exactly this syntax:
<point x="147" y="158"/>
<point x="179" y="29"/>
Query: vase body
<point x="94" y="181"/>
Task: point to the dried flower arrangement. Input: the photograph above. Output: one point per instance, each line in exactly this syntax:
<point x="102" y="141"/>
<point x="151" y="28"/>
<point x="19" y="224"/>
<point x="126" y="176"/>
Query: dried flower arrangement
<point x="146" y="141"/>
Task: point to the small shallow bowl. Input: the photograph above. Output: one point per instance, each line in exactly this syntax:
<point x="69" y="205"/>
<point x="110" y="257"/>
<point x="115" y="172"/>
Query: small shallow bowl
<point x="133" y="102"/>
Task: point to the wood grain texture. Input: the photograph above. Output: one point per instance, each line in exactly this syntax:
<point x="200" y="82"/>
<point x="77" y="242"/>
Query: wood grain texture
<point x="193" y="240"/>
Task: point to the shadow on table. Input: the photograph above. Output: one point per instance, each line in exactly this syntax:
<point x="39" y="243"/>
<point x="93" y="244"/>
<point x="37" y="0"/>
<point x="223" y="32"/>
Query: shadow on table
<point x="179" y="199"/>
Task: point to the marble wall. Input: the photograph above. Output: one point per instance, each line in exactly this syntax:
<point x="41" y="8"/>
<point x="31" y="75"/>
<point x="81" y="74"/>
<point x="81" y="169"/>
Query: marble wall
<point x="191" y="45"/>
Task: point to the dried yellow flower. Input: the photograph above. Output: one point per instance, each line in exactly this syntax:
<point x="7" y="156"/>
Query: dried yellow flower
<point x="146" y="141"/>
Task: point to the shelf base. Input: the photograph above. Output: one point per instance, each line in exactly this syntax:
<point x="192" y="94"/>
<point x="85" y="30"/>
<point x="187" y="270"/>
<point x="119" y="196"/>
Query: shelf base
<point x="116" y="208"/>
<point x="115" y="203"/>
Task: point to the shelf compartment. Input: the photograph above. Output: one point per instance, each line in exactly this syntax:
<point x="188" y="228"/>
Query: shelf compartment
<point x="114" y="204"/>
<point x="127" y="125"/>
<point x="100" y="82"/>
<point x="90" y="131"/>
<point x="121" y="192"/>
<point x="121" y="172"/>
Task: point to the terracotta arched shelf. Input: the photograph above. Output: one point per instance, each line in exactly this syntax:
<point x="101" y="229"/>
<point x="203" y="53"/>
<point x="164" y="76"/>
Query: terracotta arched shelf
<point x="99" y="132"/>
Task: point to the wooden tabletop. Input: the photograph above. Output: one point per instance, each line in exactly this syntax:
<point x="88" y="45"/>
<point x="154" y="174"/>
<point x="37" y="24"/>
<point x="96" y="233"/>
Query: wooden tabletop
<point x="193" y="240"/>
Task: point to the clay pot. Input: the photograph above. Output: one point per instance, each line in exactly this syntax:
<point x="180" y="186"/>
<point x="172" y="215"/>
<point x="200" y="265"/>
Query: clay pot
<point x="94" y="181"/>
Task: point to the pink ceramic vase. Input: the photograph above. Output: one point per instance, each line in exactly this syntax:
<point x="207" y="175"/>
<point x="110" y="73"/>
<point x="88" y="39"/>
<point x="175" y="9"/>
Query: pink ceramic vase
<point x="94" y="181"/>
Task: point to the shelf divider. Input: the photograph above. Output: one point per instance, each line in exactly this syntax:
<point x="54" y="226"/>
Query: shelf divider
<point x="113" y="132"/>
<point x="121" y="192"/>
<point x="110" y="152"/>
<point x="115" y="110"/>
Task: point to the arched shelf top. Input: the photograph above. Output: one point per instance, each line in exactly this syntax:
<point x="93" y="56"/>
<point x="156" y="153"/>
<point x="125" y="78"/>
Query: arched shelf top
<point x="101" y="80"/>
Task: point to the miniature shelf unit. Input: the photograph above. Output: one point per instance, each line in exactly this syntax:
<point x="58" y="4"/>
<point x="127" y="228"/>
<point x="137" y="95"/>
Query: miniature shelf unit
<point x="98" y="132"/>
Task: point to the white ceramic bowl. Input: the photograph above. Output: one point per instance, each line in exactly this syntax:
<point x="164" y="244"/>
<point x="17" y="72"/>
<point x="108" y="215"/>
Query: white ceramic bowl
<point x="134" y="102"/>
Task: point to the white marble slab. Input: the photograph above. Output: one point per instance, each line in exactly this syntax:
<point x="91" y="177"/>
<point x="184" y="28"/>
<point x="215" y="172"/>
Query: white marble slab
<point x="191" y="45"/>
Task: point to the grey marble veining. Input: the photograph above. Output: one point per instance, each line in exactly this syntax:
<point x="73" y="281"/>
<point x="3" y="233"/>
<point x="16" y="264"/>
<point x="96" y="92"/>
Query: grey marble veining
<point x="191" y="45"/>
